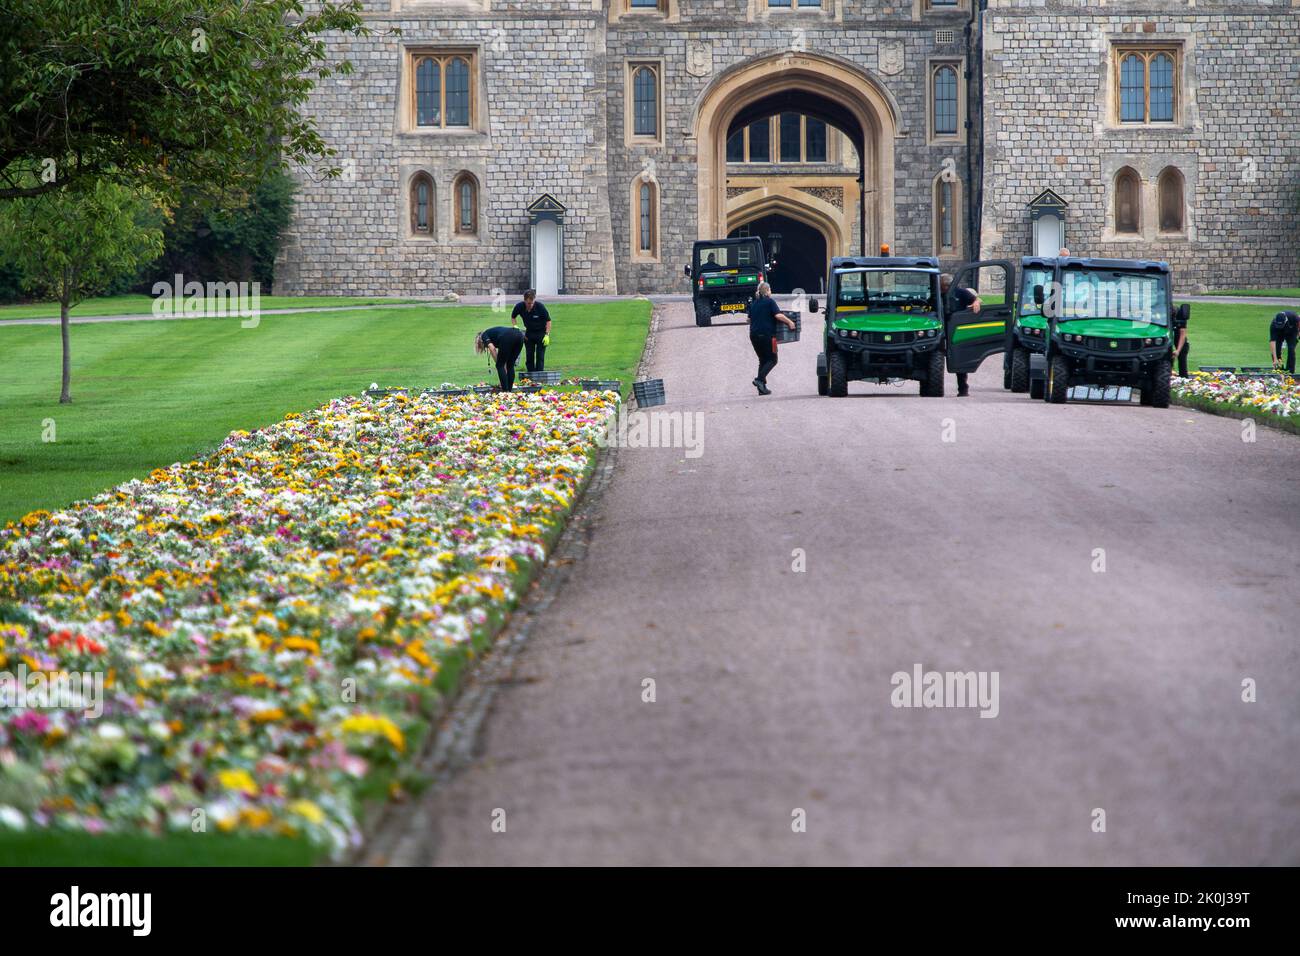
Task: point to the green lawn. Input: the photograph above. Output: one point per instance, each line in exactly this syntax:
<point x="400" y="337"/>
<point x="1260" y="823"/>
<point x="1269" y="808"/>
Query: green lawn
<point x="149" y="393"/>
<point x="1228" y="334"/>
<point x="51" y="848"/>
<point x="143" y="305"/>
<point x="1261" y="293"/>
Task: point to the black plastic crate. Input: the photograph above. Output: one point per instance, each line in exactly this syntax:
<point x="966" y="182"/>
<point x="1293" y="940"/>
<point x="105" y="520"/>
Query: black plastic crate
<point x="600" y="385"/>
<point x="650" y="392"/>
<point x="1217" y="368"/>
<point x="484" y="389"/>
<point x="542" y="378"/>
<point x="382" y="392"/>
<point x="527" y="389"/>
<point x="446" y="392"/>
<point x="786" y="334"/>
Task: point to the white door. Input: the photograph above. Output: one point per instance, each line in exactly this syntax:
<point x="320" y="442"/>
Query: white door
<point x="1047" y="236"/>
<point x="548" y="258"/>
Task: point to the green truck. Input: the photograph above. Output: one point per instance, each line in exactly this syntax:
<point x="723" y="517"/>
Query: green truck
<point x="1027" y="332"/>
<point x="1109" y="322"/>
<point x="724" y="274"/>
<point x="887" y="319"/>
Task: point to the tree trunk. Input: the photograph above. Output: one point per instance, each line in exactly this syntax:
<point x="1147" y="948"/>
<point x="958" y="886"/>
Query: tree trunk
<point x="66" y="395"/>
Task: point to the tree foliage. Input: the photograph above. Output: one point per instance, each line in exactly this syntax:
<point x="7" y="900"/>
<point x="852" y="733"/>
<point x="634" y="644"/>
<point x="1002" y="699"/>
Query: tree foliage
<point x="76" y="242"/>
<point x="159" y="94"/>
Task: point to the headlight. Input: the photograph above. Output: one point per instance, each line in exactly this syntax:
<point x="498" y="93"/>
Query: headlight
<point x="1148" y="341"/>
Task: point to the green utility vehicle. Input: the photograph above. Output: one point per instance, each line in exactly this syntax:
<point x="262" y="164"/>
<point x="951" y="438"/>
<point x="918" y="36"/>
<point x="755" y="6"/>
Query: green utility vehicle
<point x="724" y="274"/>
<point x="1109" y="322"/>
<point x="1027" y="333"/>
<point x="886" y="320"/>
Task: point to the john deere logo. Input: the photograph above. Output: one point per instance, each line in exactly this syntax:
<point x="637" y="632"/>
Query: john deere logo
<point x="889" y="338"/>
<point x="1114" y="344"/>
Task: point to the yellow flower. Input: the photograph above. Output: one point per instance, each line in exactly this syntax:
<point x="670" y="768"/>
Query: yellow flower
<point x="238" y="780"/>
<point x="267" y="716"/>
<point x="308" y="810"/>
<point x="296" y="643"/>
<point x="375" y="724"/>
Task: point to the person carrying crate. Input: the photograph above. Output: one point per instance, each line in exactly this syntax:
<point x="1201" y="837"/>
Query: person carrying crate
<point x="764" y="314"/>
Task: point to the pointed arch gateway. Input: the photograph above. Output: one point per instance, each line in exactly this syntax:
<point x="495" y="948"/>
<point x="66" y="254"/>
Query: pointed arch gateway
<point x="842" y="94"/>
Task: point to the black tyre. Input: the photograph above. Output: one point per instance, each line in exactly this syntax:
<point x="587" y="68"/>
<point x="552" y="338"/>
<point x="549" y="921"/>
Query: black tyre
<point x="1006" y="376"/>
<point x="1019" y="370"/>
<point x="838" y="367"/>
<point x="823" y="384"/>
<point x="1144" y="395"/>
<point x="703" y="313"/>
<point x="1036" y="388"/>
<point x="1058" y="380"/>
<point x="932" y="387"/>
<point x="1160" y="384"/>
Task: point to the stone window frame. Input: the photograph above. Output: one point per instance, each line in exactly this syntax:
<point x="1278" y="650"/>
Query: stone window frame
<point x="1161" y="180"/>
<point x="631" y="65"/>
<point x="958" y="224"/>
<point x="666" y="10"/>
<point x="1148" y="168"/>
<point x="477" y="198"/>
<point x="932" y="66"/>
<point x="407" y="98"/>
<point x="929" y="7"/>
<point x="758" y="10"/>
<point x="412" y="178"/>
<point x="1127" y="173"/>
<point x="1119" y="48"/>
<point x="639" y="254"/>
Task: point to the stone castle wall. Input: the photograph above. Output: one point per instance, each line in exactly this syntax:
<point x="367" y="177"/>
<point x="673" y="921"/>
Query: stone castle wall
<point x="1237" y="142"/>
<point x="552" y="82"/>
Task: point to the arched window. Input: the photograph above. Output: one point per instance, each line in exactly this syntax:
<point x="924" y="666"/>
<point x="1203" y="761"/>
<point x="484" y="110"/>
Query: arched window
<point x="421" y="203"/>
<point x="466" y="196"/>
<point x="458" y="91"/>
<point x="1162" y="88"/>
<point x="444" y="89"/>
<point x="944" y="96"/>
<point x="1132" y="89"/>
<point x="428" y="92"/>
<point x="645" y="101"/>
<point x="1128" y="202"/>
<point x="947" y="215"/>
<point x="645" y="218"/>
<point x="1170" y="187"/>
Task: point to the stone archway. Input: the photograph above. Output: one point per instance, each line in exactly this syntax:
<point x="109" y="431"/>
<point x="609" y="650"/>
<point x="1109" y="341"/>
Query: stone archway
<point x="844" y="95"/>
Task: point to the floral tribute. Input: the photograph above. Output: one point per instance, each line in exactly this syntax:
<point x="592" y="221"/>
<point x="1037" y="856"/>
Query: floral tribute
<point x="269" y="623"/>
<point x="1277" y="395"/>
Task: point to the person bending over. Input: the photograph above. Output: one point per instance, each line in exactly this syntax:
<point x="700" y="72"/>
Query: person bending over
<point x="503" y="345"/>
<point x="1283" y="333"/>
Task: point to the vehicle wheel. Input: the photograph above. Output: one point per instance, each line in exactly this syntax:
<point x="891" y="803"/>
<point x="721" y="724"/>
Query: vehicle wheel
<point x="1036" y="388"/>
<point x="838" y="367"/>
<point x="823" y="384"/>
<point x="1019" y="370"/>
<point x="1058" y="380"/>
<point x="703" y="314"/>
<point x="1160" y="384"/>
<point x="1006" y="376"/>
<point x="932" y="387"/>
<point x="1144" y="395"/>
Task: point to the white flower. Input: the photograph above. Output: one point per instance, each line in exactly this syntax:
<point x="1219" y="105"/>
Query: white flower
<point x="12" y="818"/>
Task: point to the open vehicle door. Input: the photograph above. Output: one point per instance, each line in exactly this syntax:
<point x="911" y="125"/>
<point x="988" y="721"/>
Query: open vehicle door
<point x="974" y="336"/>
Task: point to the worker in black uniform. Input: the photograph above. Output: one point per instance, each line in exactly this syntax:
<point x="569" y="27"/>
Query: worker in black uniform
<point x="504" y="345"/>
<point x="537" y="330"/>
<point x="1283" y="331"/>
<point x="763" y="316"/>
<point x="964" y="299"/>
<point x="1180" y="345"/>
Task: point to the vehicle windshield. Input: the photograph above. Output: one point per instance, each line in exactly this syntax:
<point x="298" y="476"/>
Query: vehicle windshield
<point x="744" y="255"/>
<point x="885" y="290"/>
<point x="1139" y="297"/>
<point x="1035" y="275"/>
